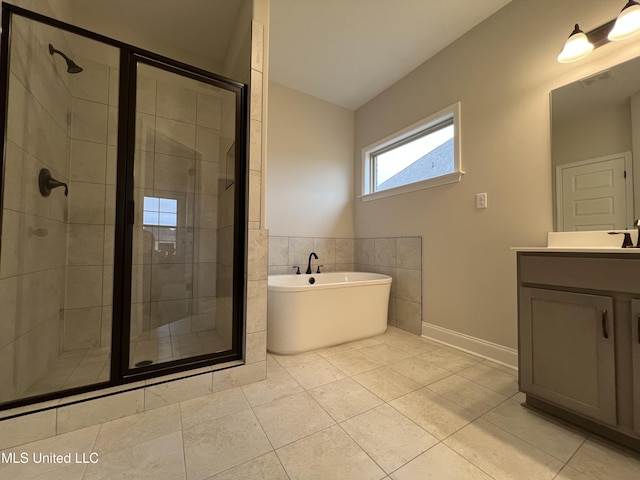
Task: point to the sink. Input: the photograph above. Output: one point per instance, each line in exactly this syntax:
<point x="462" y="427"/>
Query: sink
<point x="590" y="239"/>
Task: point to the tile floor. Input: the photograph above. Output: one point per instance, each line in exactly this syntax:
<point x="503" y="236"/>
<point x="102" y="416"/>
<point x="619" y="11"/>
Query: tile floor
<point x="394" y="406"/>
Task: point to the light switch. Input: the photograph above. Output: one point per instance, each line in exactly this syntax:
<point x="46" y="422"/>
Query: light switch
<point x="481" y="200"/>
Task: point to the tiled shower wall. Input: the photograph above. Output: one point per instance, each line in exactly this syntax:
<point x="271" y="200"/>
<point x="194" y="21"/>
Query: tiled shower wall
<point x="398" y="257"/>
<point x="34" y="233"/>
<point x="177" y="157"/>
<point x="157" y="392"/>
<point x="91" y="220"/>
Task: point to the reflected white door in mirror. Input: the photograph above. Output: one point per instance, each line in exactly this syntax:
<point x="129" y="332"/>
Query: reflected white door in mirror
<point x="595" y="194"/>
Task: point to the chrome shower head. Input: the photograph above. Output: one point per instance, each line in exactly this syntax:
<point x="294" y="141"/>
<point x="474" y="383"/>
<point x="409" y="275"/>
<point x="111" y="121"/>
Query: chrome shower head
<point x="72" y="67"/>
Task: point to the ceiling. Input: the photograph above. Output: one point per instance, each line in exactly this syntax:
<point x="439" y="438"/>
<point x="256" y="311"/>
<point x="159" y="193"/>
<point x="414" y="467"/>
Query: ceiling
<point x="342" y="51"/>
<point x="198" y="29"/>
<point x="348" y="51"/>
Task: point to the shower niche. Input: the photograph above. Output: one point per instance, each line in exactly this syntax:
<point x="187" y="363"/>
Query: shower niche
<point x="123" y="243"/>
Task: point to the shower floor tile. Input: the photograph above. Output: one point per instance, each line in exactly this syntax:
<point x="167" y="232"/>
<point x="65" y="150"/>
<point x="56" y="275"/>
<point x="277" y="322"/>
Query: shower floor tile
<point x="460" y="420"/>
<point x="76" y="368"/>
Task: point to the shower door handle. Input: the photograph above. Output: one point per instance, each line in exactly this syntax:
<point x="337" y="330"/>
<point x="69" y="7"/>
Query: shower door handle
<point x="131" y="212"/>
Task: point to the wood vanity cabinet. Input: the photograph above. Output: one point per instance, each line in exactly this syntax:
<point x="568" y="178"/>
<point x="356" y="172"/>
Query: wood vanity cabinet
<point x="579" y="339"/>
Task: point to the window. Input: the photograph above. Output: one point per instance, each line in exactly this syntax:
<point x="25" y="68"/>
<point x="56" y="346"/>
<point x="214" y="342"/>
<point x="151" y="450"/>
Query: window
<point x="160" y="219"/>
<point x="423" y="155"/>
<point x="161" y="212"/>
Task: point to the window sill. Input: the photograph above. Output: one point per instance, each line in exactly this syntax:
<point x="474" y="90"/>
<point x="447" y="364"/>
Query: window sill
<point x="412" y="187"/>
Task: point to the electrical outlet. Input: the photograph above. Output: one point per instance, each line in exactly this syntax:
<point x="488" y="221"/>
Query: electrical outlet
<point x="481" y="200"/>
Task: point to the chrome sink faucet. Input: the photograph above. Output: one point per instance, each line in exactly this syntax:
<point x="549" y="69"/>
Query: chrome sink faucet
<point x="312" y="254"/>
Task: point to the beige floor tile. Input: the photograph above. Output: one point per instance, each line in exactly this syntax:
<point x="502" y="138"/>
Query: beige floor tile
<point x="504" y="368"/>
<point x="353" y="362"/>
<point x="329" y="454"/>
<point x="367" y="342"/>
<point x="502" y="455"/>
<point x="467" y="394"/>
<point x="440" y="463"/>
<point x="314" y="374"/>
<point x="603" y="460"/>
<point x="540" y="431"/>
<point x="450" y="359"/>
<point x="226" y="442"/>
<point x="291" y="418"/>
<point x="292" y="360"/>
<point x="414" y="345"/>
<point x="390" y="438"/>
<point x="266" y="467"/>
<point x="434" y="413"/>
<point x="519" y="397"/>
<point x="279" y="384"/>
<point x="385" y="353"/>
<point x="160" y="458"/>
<point x="334" y="350"/>
<point x="386" y="383"/>
<point x="135" y="429"/>
<point x="492" y="378"/>
<point x="568" y="473"/>
<point x="209" y="407"/>
<point x="420" y="370"/>
<point x="80" y="441"/>
<point x="344" y="399"/>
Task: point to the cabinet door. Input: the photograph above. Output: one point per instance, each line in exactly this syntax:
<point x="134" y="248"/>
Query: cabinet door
<point x="635" y="354"/>
<point x="567" y="351"/>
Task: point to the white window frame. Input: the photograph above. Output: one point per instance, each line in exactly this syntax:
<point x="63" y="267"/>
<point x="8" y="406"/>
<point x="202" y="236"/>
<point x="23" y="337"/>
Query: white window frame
<point x="451" y="112"/>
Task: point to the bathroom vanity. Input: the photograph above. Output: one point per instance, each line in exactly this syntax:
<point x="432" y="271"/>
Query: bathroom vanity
<point x="579" y="337"/>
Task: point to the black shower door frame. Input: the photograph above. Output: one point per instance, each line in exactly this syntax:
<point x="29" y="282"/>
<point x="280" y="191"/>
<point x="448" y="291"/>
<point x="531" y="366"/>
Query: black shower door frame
<point x="130" y="56"/>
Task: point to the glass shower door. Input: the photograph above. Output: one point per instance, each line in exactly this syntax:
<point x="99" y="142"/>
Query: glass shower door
<point x="58" y="181"/>
<point x="183" y="249"/>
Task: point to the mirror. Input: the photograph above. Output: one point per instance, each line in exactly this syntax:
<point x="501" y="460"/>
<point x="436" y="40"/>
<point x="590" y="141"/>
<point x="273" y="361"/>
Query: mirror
<point x="595" y="138"/>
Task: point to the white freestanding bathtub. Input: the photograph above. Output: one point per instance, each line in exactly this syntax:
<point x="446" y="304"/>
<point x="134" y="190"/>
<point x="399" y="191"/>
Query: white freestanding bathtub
<point x="337" y="307"/>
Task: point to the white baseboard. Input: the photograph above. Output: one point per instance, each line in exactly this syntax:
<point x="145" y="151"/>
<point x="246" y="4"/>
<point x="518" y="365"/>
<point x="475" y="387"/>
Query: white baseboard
<point x="476" y="346"/>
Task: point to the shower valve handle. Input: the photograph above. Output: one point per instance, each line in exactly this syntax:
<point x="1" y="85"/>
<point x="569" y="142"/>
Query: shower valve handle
<point x="47" y="183"/>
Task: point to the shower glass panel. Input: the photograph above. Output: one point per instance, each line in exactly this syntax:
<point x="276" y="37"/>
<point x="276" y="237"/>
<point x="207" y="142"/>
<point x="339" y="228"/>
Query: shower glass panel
<point x="182" y="255"/>
<point x="56" y="253"/>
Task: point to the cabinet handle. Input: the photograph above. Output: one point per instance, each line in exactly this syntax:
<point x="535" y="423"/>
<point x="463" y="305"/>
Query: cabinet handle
<point x="605" y="332"/>
<point x="638" y="328"/>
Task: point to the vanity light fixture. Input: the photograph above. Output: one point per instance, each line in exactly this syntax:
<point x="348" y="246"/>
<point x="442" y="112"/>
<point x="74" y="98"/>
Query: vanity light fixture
<point x="577" y="46"/>
<point x="628" y="22"/>
<point x="580" y="44"/>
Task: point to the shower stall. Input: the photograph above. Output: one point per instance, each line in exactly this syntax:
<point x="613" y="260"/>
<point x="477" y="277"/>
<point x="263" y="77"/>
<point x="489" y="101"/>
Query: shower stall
<point x="123" y="212"/>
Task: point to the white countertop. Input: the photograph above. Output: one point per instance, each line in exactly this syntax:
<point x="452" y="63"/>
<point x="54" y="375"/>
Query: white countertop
<point x="585" y="242"/>
<point x="577" y="249"/>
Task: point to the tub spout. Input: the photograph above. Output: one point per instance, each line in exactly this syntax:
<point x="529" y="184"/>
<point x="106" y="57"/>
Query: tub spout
<point x="312" y="254"/>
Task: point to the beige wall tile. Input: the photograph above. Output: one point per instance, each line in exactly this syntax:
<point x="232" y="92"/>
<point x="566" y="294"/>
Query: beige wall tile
<point x="89" y="121"/>
<point x="256" y="347"/>
<point x="177" y="391"/>
<point x="86" y="203"/>
<point x="256" y="306"/>
<point x="409" y="252"/>
<point x="385" y="252"/>
<point x="238" y="376"/>
<point x="82" y="328"/>
<point x="84" y="286"/>
<point x="209" y="111"/>
<point x="408" y="285"/>
<point x="27" y="428"/>
<point x="93" y="84"/>
<point x="176" y="102"/>
<point x="175" y="138"/>
<point x="73" y="417"/>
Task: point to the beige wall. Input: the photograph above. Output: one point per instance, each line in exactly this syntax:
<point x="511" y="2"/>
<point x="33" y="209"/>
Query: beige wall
<point x="310" y="176"/>
<point x="502" y="73"/>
